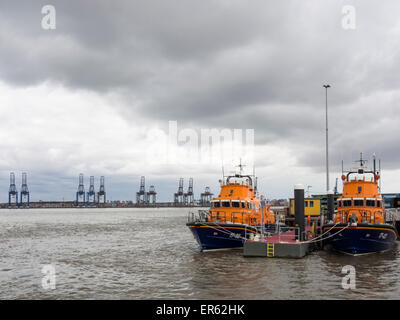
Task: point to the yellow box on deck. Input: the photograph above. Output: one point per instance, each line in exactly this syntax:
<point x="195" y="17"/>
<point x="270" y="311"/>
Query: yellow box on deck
<point x="312" y="207"/>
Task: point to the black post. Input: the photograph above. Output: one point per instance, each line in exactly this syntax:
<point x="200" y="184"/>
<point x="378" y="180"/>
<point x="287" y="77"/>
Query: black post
<point x="374" y="168"/>
<point x="299" y="210"/>
<point x="331" y="205"/>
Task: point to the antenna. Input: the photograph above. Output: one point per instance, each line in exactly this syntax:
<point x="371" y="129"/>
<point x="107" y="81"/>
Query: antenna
<point x="374" y="157"/>
<point x="361" y="161"/>
<point x="380" y="173"/>
<point x="241" y="166"/>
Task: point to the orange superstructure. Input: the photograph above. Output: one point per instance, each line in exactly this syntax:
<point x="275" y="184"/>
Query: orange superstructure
<point x="359" y="226"/>
<point x="361" y="200"/>
<point x="235" y="215"/>
<point x="238" y="203"/>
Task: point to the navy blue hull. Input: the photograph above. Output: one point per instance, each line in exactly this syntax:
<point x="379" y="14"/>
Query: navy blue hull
<point x="212" y="236"/>
<point x="361" y="239"/>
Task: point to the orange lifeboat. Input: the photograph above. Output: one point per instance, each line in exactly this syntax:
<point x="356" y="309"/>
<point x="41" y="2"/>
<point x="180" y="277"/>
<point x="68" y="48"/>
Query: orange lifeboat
<point x="359" y="226"/>
<point x="235" y="215"/>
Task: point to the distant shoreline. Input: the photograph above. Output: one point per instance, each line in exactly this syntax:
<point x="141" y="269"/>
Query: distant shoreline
<point x="72" y="205"/>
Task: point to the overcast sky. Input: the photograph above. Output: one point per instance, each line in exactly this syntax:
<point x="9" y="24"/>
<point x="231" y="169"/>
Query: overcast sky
<point x="86" y="96"/>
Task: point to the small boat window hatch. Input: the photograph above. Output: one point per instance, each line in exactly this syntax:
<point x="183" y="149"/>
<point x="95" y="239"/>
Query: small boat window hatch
<point x="235" y="204"/>
<point x="215" y="204"/>
<point x="347" y="203"/>
<point x="370" y="202"/>
<point x="358" y="202"/>
<point x="225" y="204"/>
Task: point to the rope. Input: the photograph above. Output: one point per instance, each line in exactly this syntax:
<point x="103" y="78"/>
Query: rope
<point x="313" y="240"/>
<point x="309" y="241"/>
<point x="326" y="232"/>
<point x="226" y="231"/>
<point x="220" y="227"/>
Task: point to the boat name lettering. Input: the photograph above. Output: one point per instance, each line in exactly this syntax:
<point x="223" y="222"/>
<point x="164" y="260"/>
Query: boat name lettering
<point x="235" y="235"/>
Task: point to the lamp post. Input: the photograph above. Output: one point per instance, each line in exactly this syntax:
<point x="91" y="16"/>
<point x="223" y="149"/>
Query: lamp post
<point x="326" y="86"/>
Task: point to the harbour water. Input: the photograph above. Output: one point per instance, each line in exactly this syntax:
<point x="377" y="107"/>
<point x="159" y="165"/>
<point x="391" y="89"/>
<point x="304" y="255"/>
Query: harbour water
<point x="151" y="254"/>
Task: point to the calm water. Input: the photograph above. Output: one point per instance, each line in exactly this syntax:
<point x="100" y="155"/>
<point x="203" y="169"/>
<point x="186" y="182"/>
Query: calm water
<point x="150" y="254"/>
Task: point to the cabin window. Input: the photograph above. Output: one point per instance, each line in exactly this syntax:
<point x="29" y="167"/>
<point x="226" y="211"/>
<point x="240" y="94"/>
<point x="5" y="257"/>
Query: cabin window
<point x="235" y="204"/>
<point x="226" y="204"/>
<point x="378" y="204"/>
<point x="243" y="205"/>
<point x="346" y="203"/>
<point x="311" y="204"/>
<point x="306" y="204"/>
<point x="248" y="205"/>
<point x="370" y="203"/>
<point x="216" y="204"/>
<point x="358" y="203"/>
<point x="339" y="203"/>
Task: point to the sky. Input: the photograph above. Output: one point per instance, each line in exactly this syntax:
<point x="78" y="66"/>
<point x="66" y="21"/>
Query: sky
<point x="123" y="89"/>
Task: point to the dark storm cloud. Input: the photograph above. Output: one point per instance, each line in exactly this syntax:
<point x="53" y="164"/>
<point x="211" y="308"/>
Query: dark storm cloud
<point x="101" y="45"/>
<point x="235" y="64"/>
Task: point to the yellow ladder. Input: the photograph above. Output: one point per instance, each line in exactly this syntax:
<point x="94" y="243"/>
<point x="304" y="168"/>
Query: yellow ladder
<point x="270" y="250"/>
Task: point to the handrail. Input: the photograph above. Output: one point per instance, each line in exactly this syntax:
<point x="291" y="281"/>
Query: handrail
<point x="231" y="216"/>
<point x="366" y="215"/>
<point x="220" y="216"/>
<point x="287" y="234"/>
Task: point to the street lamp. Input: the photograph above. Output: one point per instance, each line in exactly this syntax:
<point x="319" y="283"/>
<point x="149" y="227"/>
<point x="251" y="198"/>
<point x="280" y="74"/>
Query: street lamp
<point x="326" y="86"/>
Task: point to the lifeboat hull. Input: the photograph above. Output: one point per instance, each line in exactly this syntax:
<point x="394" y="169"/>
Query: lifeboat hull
<point x="212" y="236"/>
<point x="361" y="239"/>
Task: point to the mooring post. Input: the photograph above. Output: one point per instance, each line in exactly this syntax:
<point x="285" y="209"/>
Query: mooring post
<point x="331" y="205"/>
<point x="299" y="211"/>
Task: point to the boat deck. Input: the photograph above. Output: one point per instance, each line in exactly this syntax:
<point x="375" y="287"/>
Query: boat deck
<point x="283" y="245"/>
<point x="286" y="237"/>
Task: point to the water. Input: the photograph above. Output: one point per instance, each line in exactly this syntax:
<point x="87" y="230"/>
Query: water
<point x="150" y="254"/>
